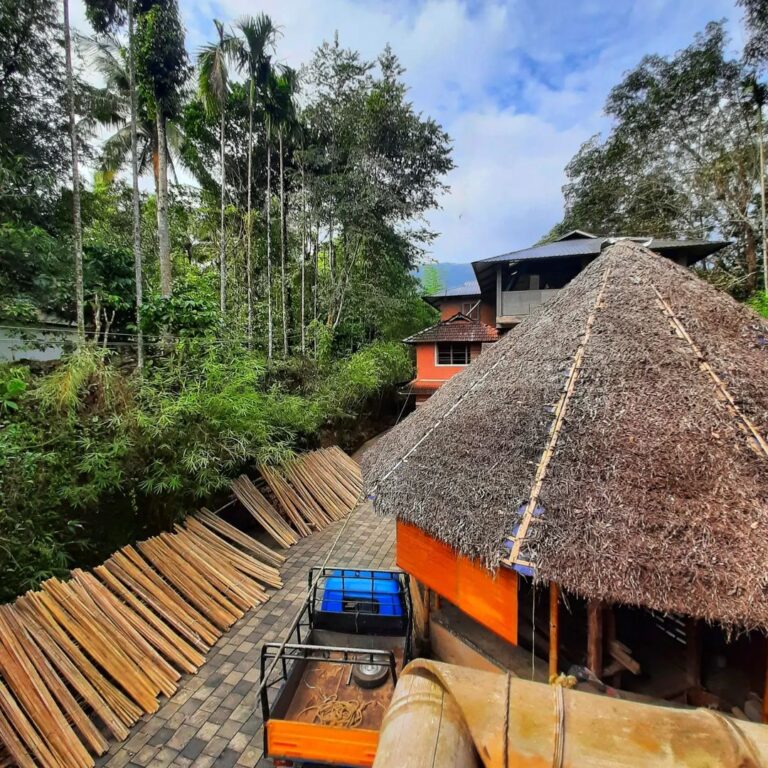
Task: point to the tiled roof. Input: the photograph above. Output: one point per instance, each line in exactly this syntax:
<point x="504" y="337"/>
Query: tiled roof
<point x="456" y="328"/>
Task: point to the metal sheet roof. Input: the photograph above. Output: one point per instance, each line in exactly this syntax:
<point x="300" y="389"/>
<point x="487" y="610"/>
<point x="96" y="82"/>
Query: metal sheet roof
<point x="469" y="288"/>
<point x="693" y="250"/>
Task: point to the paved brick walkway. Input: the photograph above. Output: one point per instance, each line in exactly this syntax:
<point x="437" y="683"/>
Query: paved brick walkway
<point x="214" y="718"/>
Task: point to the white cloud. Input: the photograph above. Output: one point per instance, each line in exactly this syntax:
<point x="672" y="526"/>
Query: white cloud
<point x="519" y="85"/>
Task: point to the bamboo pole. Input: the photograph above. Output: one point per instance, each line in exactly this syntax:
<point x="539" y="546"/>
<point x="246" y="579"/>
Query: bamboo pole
<point x="595" y="637"/>
<point x="554" y="626"/>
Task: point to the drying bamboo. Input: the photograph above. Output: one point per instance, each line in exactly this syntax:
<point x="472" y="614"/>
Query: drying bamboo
<point x="332" y="505"/>
<point x="34" y="697"/>
<point x="254" y="548"/>
<point x="310" y="504"/>
<point x="41" y="753"/>
<point x="183" y="578"/>
<point x="61" y="693"/>
<point x="131" y="560"/>
<point x="132" y="629"/>
<point x="265" y="514"/>
<point x="76" y="679"/>
<point x="158" y="601"/>
<point x="100" y="644"/>
<point x="172" y="645"/>
<point x="119" y="704"/>
<point x="266" y="574"/>
<point x="288" y="500"/>
<point x="15" y="746"/>
<point x="342" y="485"/>
<point x="241" y="590"/>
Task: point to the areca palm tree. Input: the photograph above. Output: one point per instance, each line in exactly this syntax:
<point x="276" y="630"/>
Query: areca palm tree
<point x="252" y="52"/>
<point x="282" y="116"/>
<point x="213" y="88"/>
<point x="76" y="220"/>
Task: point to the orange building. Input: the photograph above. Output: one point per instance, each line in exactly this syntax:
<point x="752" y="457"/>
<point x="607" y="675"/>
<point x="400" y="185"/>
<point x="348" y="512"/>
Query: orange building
<point x="444" y="350"/>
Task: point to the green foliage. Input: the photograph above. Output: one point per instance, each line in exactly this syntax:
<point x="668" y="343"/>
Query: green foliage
<point x="13" y="385"/>
<point x="759" y="302"/>
<point x="681" y="158"/>
<point x="431" y="282"/>
<point x="191" y="311"/>
<point x="161" y="58"/>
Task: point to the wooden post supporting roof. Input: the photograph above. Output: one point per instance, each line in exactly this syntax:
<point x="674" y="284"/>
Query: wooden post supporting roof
<point x="554" y="623"/>
<point x="693" y="653"/>
<point x="595" y="637"/>
<point x="765" y="689"/>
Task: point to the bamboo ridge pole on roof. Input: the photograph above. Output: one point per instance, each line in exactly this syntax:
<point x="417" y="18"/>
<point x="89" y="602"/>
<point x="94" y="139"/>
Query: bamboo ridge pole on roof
<point x="516" y="540"/>
<point x="723" y="395"/>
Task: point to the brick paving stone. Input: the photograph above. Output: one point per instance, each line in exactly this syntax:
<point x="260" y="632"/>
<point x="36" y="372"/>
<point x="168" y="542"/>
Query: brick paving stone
<point x="216" y="710"/>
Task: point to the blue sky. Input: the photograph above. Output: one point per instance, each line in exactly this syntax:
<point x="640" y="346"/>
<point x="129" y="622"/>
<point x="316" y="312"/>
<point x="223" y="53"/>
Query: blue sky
<point x="518" y="85"/>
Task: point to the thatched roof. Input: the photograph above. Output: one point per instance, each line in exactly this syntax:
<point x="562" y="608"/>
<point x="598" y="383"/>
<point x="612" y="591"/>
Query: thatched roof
<point x="656" y="493"/>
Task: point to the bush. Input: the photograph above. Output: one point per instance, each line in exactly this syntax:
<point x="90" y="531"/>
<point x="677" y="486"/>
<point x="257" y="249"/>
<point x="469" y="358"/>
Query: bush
<point x="759" y="302"/>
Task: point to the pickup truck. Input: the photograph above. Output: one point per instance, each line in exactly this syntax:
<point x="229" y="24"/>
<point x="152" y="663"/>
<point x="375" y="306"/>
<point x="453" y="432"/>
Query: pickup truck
<point x="336" y="672"/>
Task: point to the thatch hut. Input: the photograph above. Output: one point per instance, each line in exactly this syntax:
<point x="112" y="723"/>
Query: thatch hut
<point x="612" y="447"/>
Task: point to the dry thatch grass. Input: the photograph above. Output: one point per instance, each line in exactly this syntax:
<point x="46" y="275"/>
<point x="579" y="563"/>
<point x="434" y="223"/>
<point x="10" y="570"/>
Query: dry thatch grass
<point x="655" y="495"/>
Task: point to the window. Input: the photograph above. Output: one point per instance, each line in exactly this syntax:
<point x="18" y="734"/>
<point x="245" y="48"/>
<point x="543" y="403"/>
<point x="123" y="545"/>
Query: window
<point x="453" y="354"/>
<point x="471" y="309"/>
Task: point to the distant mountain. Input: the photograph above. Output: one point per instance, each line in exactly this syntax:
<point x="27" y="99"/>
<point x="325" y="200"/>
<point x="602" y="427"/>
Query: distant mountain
<point x="452" y="274"/>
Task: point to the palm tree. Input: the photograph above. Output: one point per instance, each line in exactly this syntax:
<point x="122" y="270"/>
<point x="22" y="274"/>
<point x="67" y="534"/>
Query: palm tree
<point x="213" y="87"/>
<point x="76" y="219"/>
<point x="112" y="109"/>
<point x="284" y="89"/>
<point x="138" y="271"/>
<point x="106" y="17"/>
<point x="162" y="69"/>
<point x="252" y="53"/>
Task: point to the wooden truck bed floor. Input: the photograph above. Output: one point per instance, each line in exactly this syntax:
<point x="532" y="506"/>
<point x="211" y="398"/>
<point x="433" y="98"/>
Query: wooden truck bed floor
<point x="323" y="681"/>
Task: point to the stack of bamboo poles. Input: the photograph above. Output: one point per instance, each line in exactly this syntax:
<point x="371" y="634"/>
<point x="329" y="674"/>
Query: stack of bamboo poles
<point x="264" y="513"/>
<point x="99" y="649"/>
<point x="89" y="656"/>
<point x="315" y="489"/>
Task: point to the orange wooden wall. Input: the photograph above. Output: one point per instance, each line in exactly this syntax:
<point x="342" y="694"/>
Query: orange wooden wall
<point x="489" y="599"/>
<point x="427" y="368"/>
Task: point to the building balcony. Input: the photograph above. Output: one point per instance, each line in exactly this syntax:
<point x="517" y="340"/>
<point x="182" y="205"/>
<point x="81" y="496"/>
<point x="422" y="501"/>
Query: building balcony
<point x="515" y="306"/>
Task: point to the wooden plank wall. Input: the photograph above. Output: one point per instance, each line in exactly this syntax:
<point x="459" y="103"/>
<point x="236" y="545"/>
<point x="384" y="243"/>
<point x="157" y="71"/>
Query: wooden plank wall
<point x="83" y="659"/>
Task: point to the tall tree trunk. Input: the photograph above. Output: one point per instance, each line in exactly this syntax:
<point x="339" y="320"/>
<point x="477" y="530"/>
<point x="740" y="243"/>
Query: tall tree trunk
<point x="283" y="238"/>
<point x="750" y="257"/>
<point x="269" y="250"/>
<point x="163" y="232"/>
<point x="331" y="272"/>
<point x="248" y="226"/>
<point x="762" y="194"/>
<point x="315" y="281"/>
<point x="303" y="261"/>
<point x="222" y="240"/>
<point x="77" y="224"/>
<point x="135" y="190"/>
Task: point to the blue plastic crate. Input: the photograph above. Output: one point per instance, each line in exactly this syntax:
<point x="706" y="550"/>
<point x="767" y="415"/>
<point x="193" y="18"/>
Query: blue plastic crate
<point x="349" y="591"/>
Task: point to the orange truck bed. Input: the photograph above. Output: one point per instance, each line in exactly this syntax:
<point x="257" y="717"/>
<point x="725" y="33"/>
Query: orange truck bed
<point x="308" y="741"/>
